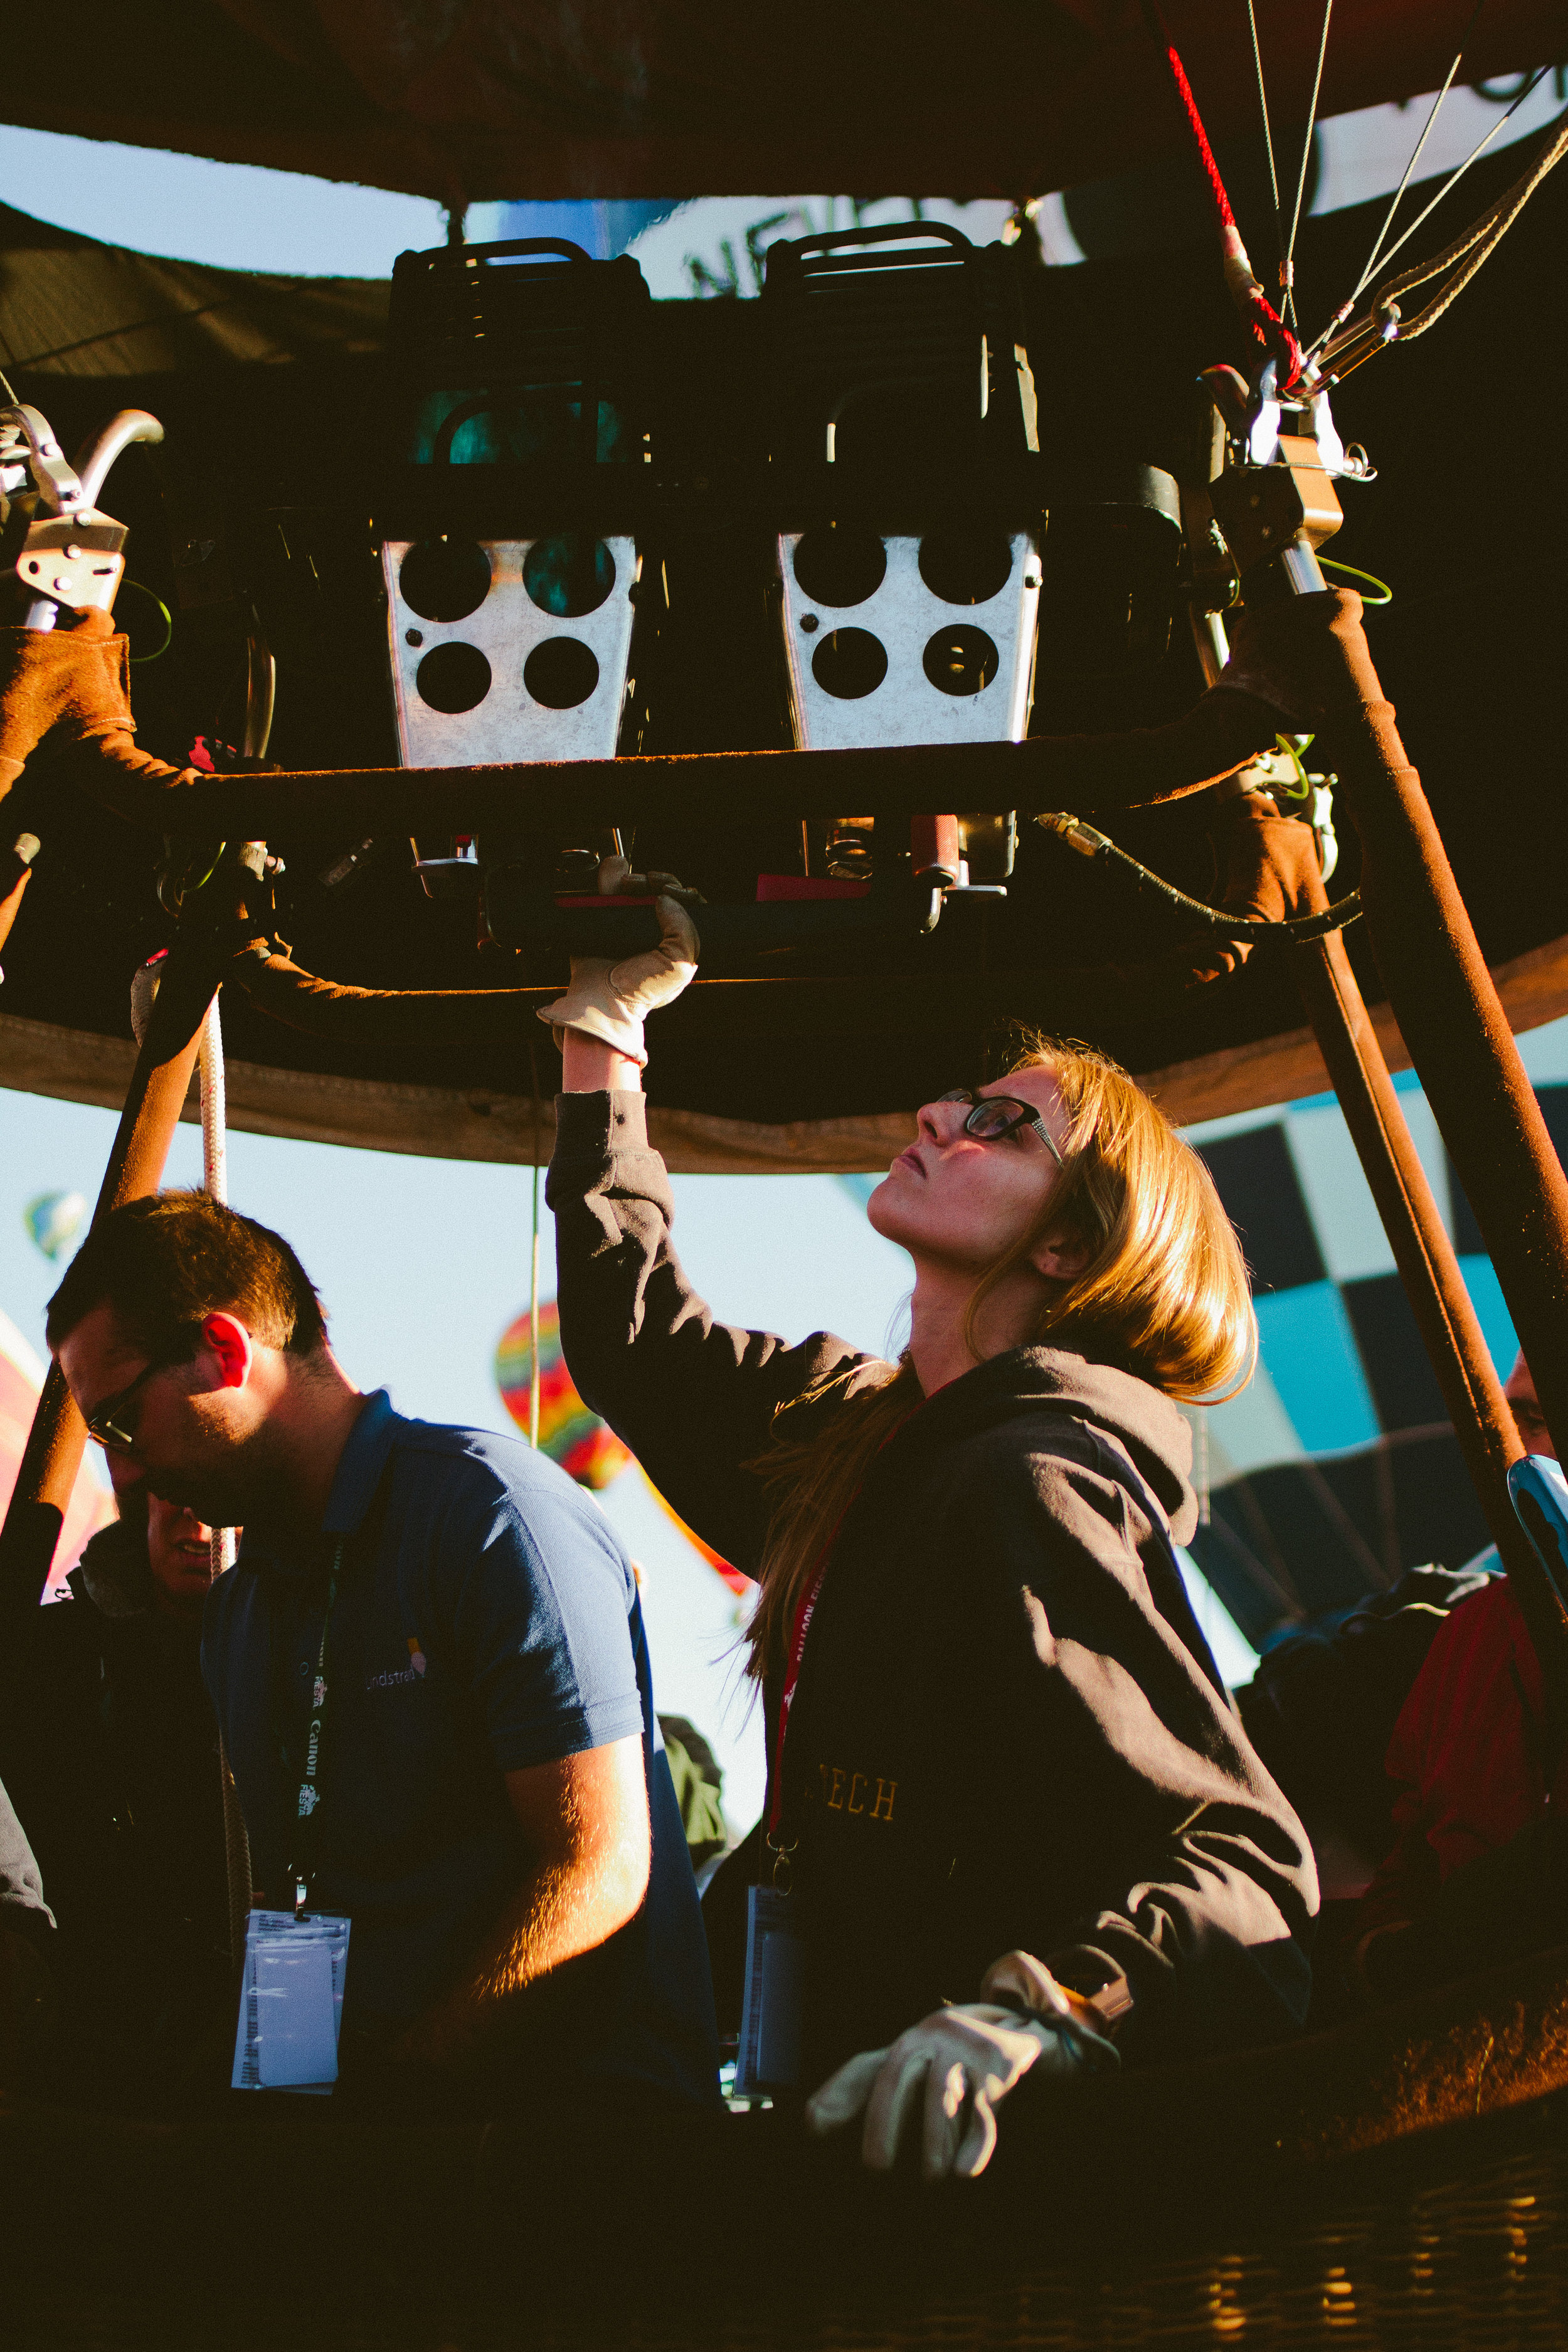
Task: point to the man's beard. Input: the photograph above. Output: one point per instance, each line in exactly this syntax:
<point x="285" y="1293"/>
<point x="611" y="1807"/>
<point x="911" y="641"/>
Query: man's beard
<point x="234" y="1486"/>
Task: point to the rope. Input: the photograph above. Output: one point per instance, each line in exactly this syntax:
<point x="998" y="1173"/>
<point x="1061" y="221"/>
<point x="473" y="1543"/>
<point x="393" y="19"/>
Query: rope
<point x="1479" y="241"/>
<point x="1246" y="291"/>
<point x="1346" y="308"/>
<point x="1384" y="322"/>
<point x="1288" y="266"/>
<point x="1267" y="129"/>
<point x="215" y="1182"/>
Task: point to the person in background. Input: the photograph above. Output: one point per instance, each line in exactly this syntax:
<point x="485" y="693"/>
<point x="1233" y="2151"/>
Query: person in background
<point x="27" y="1941"/>
<point x="431" y="1650"/>
<point x="699" y="1780"/>
<point x="1478" y="1868"/>
<point x="1006" y="1775"/>
<point x="113" y="1755"/>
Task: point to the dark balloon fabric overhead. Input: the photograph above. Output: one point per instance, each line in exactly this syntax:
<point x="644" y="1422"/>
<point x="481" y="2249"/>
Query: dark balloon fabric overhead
<point x="501" y="98"/>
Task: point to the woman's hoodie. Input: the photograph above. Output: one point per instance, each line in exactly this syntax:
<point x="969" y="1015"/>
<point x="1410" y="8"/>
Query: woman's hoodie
<point x="1007" y="1732"/>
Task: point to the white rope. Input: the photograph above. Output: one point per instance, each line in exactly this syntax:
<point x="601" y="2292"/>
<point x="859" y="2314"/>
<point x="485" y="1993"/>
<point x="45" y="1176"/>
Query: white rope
<point x="215" y="1182"/>
<point x="533" y="1279"/>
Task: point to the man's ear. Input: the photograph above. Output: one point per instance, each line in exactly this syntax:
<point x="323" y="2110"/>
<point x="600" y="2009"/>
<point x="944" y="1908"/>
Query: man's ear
<point x="227" y="1339"/>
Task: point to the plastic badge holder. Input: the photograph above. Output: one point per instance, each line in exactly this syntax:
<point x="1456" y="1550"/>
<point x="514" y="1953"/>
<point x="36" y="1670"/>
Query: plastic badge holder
<point x="769" y="2055"/>
<point x="1538" y="1492"/>
<point x="290" y="2001"/>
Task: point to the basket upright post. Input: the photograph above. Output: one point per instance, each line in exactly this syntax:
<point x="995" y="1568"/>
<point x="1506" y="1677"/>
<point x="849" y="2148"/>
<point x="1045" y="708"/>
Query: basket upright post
<point x="52" y="1456"/>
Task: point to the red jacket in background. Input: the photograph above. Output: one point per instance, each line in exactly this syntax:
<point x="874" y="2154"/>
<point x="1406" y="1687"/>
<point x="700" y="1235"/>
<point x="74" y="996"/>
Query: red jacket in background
<point x="1466" y="1756"/>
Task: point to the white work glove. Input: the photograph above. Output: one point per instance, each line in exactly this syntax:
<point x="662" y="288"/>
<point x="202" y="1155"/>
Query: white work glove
<point x="611" y="1001"/>
<point x="960" y="2063"/>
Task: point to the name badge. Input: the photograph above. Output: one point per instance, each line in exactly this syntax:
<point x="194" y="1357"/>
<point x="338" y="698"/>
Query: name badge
<point x="768" y="2058"/>
<point x="290" y="2001"/>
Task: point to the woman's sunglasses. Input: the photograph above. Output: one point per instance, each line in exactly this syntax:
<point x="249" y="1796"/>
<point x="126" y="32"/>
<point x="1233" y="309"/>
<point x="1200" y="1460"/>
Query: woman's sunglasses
<point x="994" y="1116"/>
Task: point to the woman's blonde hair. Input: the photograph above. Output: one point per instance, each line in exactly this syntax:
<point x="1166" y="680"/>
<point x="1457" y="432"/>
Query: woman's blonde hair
<point x="1161" y="1292"/>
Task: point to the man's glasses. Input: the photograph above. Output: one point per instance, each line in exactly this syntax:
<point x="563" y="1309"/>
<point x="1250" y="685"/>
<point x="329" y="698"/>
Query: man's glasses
<point x="108" y="1422"/>
<point x="993" y="1116"/>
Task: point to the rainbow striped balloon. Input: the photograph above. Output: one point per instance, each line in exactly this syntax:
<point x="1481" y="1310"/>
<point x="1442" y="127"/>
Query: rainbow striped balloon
<point x="586" y="1448"/>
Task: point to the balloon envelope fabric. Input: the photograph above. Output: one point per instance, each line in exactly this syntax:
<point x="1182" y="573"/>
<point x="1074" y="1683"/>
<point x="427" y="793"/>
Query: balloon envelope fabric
<point x="586" y="1448"/>
<point x="1337" y="1469"/>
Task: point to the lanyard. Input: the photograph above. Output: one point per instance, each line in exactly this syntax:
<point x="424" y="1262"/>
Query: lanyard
<point x="307" y="1831"/>
<point x="802" y="1617"/>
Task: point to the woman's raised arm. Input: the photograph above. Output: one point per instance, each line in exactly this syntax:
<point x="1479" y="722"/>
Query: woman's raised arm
<point x="692" y="1397"/>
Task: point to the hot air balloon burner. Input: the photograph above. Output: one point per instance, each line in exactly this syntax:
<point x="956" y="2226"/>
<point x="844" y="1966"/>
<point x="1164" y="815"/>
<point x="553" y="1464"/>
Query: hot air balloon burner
<point x="905" y="423"/>
<point x="905" y="639"/>
<point x="508" y="649"/>
<point x="510" y="564"/>
<point x="904" y="389"/>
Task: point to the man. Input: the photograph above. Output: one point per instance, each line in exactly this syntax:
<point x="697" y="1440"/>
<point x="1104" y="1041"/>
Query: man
<point x="27" y="1935"/>
<point x="1478" y="1869"/>
<point x="430" y="1669"/>
<point x="113" y="1752"/>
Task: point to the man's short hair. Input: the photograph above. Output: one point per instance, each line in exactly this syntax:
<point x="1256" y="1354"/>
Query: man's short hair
<point x="164" y="1264"/>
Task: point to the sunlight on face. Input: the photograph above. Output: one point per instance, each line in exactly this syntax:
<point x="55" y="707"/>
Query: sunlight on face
<point x="954" y="1200"/>
<point x="179" y="1552"/>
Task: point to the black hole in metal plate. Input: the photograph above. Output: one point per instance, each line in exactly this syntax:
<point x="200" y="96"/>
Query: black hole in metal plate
<point x="445" y="579"/>
<point x="850" y="663"/>
<point x="453" y="677"/>
<point x="569" y="575"/>
<point x="961" y="661"/>
<point x="966" y="567"/>
<point x="839" y="565"/>
<point x="561" y="672"/>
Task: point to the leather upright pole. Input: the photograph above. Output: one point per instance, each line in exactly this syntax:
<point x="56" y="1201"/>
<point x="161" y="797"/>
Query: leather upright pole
<point x="1439" y="986"/>
<point x="1429" y="1269"/>
<point x="53" y="1455"/>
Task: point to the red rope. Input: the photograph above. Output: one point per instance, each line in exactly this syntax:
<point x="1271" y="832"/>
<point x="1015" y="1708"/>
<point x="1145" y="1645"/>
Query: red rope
<point x="1246" y="292"/>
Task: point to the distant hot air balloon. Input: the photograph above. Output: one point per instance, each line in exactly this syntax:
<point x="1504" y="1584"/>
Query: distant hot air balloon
<point x="54" y="1219"/>
<point x="586" y="1448"/>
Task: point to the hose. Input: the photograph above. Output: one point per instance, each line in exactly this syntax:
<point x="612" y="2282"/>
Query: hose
<point x="1090" y="843"/>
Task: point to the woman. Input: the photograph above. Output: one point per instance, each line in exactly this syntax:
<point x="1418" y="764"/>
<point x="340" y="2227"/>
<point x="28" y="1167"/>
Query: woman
<point x="1007" y="1785"/>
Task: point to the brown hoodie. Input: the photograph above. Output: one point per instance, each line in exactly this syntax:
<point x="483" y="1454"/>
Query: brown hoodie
<point x="1007" y="1730"/>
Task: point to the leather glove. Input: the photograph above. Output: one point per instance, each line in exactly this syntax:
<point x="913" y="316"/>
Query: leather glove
<point x="960" y="2063"/>
<point x="611" y="1001"/>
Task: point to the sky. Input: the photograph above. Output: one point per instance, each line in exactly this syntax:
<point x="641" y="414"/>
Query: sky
<point x="243" y="216"/>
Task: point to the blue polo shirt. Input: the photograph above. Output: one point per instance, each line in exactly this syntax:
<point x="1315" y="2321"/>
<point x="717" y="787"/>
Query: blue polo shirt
<point x="488" y="1620"/>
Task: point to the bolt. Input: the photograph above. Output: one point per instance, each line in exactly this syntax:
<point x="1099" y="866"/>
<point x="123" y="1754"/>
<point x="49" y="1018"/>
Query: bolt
<point x="74" y="554"/>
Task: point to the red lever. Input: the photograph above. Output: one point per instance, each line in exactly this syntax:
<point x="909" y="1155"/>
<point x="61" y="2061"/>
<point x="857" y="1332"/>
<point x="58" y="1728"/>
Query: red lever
<point x="933" y="850"/>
